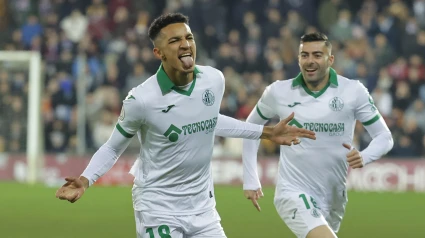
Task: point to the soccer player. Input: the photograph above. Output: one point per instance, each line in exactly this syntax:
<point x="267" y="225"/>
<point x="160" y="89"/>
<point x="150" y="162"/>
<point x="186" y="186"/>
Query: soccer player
<point x="175" y="114"/>
<point x="311" y="186"/>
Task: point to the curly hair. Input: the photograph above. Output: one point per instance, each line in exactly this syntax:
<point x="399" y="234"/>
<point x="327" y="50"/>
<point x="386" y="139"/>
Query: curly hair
<point x="165" y="20"/>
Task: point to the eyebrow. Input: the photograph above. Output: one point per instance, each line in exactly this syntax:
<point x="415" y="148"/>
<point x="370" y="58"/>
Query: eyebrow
<point x="179" y="37"/>
<point x="314" y="52"/>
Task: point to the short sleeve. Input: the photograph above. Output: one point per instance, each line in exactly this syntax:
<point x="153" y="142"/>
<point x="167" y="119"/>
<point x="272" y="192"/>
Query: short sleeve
<point x="266" y="104"/>
<point x="365" y="111"/>
<point x="132" y="115"/>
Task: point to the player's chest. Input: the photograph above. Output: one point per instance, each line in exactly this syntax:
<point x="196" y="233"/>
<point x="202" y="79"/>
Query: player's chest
<point x="186" y="114"/>
<point x="327" y="108"/>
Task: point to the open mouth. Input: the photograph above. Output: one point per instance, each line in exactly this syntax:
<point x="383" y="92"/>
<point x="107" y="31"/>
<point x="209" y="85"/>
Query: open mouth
<point x="187" y="60"/>
<point x="311" y="70"/>
<point x="185" y="55"/>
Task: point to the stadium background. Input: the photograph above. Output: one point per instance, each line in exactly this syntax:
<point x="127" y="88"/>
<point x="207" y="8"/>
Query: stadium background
<point x="254" y="43"/>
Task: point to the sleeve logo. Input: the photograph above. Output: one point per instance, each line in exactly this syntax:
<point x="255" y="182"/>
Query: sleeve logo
<point x="372" y="103"/>
<point x="122" y="114"/>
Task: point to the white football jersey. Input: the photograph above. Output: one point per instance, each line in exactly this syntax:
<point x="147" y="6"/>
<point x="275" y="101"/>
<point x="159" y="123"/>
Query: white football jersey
<point x="319" y="166"/>
<point x="176" y="132"/>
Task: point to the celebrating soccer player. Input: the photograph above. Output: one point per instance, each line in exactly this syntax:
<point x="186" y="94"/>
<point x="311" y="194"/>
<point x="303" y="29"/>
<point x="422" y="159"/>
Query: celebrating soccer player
<point x="311" y="188"/>
<point x="175" y="114"/>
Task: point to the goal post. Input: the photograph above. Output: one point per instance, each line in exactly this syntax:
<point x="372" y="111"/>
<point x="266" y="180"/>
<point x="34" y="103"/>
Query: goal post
<point x="35" y="138"/>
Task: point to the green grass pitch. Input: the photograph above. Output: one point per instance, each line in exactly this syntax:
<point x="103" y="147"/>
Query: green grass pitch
<point x="33" y="211"/>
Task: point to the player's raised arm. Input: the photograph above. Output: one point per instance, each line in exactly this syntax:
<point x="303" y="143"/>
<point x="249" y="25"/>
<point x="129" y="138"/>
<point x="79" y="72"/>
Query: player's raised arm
<point x="105" y="157"/>
<point x="382" y="141"/>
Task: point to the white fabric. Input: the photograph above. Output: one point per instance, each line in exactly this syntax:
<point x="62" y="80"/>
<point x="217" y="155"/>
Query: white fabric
<point x="382" y="141"/>
<point x="173" y="171"/>
<point x="302" y="216"/>
<point x="230" y="127"/>
<point x="251" y="180"/>
<point x="176" y="132"/>
<point x="317" y="167"/>
<point x="106" y="156"/>
<point x="202" y="225"/>
<point x="383" y="101"/>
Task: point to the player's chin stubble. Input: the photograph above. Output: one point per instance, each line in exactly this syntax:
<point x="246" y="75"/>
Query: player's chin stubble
<point x="315" y="81"/>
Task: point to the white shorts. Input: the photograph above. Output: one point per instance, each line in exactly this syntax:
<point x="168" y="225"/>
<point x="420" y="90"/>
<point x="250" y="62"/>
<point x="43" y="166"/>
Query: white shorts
<point x="206" y="224"/>
<point x="301" y="212"/>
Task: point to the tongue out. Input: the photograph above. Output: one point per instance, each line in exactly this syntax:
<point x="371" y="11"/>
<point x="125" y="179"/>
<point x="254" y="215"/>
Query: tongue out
<point x="187" y="62"/>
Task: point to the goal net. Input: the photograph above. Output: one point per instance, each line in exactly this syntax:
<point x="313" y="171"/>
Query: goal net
<point x="20" y="114"/>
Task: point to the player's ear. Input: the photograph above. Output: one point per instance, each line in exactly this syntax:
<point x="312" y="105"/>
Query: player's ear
<point x="158" y="53"/>
<point x="331" y="60"/>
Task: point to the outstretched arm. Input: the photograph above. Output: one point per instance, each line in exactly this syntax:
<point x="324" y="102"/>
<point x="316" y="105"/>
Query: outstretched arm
<point x="231" y="127"/>
<point x="130" y="121"/>
<point x="101" y="162"/>
<point x="281" y="133"/>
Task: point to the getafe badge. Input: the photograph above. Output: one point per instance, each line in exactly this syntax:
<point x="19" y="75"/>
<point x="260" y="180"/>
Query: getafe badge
<point x="208" y="97"/>
<point x="336" y="104"/>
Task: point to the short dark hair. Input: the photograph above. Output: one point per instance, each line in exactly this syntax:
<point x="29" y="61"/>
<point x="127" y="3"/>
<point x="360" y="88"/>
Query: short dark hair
<point x="316" y="36"/>
<point x="165" y="20"/>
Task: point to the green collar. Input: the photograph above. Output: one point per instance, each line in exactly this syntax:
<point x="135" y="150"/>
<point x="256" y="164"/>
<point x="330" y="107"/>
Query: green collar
<point x="166" y="84"/>
<point x="299" y="80"/>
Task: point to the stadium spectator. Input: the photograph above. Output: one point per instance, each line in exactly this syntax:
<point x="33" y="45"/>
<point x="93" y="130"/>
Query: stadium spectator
<point x="104" y="43"/>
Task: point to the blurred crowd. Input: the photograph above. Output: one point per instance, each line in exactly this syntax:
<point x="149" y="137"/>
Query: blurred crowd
<point x="254" y="42"/>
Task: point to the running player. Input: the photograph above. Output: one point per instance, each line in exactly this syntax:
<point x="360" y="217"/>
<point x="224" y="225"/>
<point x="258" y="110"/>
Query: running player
<point x="311" y="187"/>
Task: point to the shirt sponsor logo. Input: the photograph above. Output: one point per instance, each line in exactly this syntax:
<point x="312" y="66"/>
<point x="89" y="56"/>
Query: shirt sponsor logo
<point x="334" y="129"/>
<point x="206" y="126"/>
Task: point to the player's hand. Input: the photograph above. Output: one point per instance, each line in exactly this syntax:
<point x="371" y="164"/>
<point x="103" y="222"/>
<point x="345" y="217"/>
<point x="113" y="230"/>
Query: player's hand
<point x="284" y="134"/>
<point x="72" y="190"/>
<point x="354" y="158"/>
<point x="254" y="195"/>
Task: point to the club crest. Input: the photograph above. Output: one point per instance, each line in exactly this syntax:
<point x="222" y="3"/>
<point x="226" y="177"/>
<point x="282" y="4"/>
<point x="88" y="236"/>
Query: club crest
<point x="208" y="97"/>
<point x="336" y="104"/>
<point x="315" y="213"/>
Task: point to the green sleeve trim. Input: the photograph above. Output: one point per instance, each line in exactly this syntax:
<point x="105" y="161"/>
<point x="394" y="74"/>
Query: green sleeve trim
<point x="373" y="120"/>
<point x="261" y="114"/>
<point x="123" y="132"/>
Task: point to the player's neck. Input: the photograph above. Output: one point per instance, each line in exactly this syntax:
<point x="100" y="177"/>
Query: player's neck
<point x="319" y="85"/>
<point x="178" y="78"/>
